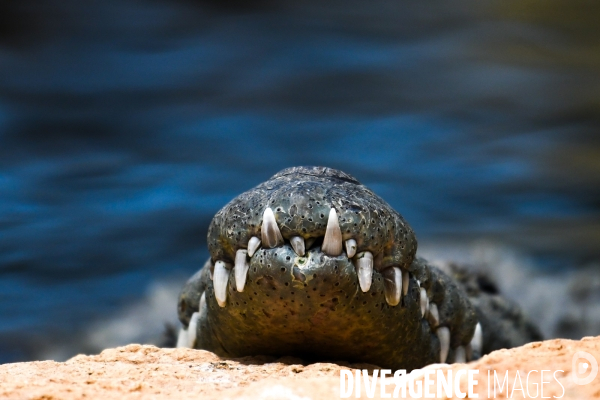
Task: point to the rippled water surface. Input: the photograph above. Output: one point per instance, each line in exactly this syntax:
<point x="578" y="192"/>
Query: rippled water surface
<point x="125" y="125"/>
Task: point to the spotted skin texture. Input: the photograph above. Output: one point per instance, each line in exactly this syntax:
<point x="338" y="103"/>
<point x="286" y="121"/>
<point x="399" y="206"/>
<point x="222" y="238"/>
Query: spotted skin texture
<point x="503" y="322"/>
<point x="301" y="198"/>
<point x="312" y="306"/>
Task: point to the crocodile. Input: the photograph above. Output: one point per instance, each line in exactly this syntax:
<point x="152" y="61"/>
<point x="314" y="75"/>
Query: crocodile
<point x="313" y="264"/>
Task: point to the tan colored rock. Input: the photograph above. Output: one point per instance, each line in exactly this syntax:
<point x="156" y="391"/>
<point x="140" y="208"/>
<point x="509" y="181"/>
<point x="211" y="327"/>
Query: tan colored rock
<point x="147" y="372"/>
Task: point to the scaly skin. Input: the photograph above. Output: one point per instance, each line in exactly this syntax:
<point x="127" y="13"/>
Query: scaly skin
<point x="312" y="306"/>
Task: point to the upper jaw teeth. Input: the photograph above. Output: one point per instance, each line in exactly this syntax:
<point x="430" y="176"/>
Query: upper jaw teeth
<point x="396" y="280"/>
<point x="271" y="235"/>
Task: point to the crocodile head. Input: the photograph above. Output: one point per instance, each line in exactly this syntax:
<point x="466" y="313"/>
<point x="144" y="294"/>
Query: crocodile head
<point x="314" y="264"/>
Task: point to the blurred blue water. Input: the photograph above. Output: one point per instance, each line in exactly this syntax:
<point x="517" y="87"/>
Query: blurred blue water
<point x="126" y="125"/>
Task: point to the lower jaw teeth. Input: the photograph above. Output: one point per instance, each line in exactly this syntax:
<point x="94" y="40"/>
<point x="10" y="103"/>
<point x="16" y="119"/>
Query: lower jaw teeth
<point x="424" y="302"/>
<point x="187" y="337"/>
<point x="460" y="356"/>
<point x="364" y="270"/>
<point x="443" y="335"/>
<point x="433" y="315"/>
<point x="405" y="281"/>
<point x="253" y="245"/>
<point x="220" y="280"/>
<point x="396" y="281"/>
<point x="392" y="285"/>
<point x="350" y="248"/>
<point x="297" y="243"/>
<point x="477" y="340"/>
<point x="241" y="269"/>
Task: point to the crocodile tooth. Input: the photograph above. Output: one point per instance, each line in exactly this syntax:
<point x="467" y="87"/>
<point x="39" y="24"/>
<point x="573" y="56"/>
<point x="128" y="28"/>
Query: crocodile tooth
<point x="271" y="235"/>
<point x="350" y="248"/>
<point x="202" y="305"/>
<point x="182" y="338"/>
<point x="477" y="340"/>
<point x="364" y="270"/>
<point x="241" y="269"/>
<point x="332" y="243"/>
<point x="424" y="302"/>
<point x="220" y="280"/>
<point x="460" y="355"/>
<point x="434" y="315"/>
<point x="187" y="336"/>
<point x="392" y="285"/>
<point x="298" y="245"/>
<point x="253" y="245"/>
<point x="443" y="335"/>
<point x="193" y="330"/>
<point x="405" y="281"/>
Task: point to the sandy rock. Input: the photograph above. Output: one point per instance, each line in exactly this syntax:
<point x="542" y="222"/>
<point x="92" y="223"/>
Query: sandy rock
<point x="147" y="372"/>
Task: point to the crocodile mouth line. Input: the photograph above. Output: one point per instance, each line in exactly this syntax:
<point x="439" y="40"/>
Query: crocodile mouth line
<point x="313" y="262"/>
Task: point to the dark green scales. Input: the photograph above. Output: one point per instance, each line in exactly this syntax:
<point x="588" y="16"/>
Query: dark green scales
<point x="313" y="264"/>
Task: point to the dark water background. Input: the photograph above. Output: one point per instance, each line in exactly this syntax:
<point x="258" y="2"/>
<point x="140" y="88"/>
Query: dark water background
<point x="125" y="125"/>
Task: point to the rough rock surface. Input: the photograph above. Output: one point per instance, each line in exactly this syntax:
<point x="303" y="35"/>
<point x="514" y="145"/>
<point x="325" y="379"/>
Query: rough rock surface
<point x="148" y="372"/>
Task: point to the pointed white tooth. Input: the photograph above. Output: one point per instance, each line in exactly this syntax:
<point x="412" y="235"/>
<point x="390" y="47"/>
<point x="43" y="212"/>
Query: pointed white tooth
<point x="193" y="330"/>
<point x="350" y="248"/>
<point x="419" y="283"/>
<point x="182" y="338"/>
<point x="298" y="245"/>
<point x="187" y="336"/>
<point x="364" y="270"/>
<point x="202" y="306"/>
<point x="405" y="280"/>
<point x="477" y="340"/>
<point x="424" y="302"/>
<point x="271" y="235"/>
<point x="392" y="285"/>
<point x="220" y="280"/>
<point x="253" y="245"/>
<point x="241" y="269"/>
<point x="332" y="242"/>
<point x="460" y="356"/>
<point x="443" y="335"/>
<point x="434" y="315"/>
